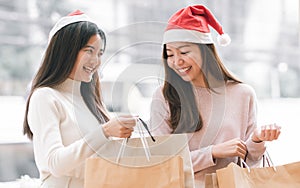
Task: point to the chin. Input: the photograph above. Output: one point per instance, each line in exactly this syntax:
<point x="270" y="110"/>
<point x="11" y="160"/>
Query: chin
<point x="187" y="79"/>
<point x="86" y="80"/>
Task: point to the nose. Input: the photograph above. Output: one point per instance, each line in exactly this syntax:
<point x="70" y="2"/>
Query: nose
<point x="96" y="60"/>
<point x="178" y="60"/>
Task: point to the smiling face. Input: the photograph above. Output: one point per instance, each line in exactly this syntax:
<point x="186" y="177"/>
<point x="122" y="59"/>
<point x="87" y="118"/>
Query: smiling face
<point x="185" y="59"/>
<point x="88" y="60"/>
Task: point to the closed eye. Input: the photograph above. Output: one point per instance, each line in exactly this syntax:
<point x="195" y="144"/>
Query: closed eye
<point x="89" y="50"/>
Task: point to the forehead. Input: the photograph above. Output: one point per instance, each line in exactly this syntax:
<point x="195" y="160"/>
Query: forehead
<point x="95" y="41"/>
<point x="172" y="45"/>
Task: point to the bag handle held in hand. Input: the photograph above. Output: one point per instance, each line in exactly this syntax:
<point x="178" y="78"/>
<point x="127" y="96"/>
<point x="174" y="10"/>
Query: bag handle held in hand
<point x="139" y="125"/>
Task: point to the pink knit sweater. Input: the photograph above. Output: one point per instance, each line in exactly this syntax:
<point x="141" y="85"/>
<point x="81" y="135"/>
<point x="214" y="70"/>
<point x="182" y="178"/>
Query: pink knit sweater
<point x="227" y="115"/>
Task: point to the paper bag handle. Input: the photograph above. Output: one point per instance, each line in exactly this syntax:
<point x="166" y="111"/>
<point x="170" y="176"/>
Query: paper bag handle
<point x="266" y="160"/>
<point x="139" y="125"/>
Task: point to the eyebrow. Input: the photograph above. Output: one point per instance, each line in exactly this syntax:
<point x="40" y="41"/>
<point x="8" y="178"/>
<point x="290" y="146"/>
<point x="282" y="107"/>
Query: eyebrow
<point x="89" y="46"/>
<point x="186" y="45"/>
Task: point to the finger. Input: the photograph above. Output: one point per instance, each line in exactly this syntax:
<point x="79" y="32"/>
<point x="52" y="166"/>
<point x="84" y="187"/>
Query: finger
<point x="129" y="116"/>
<point x="125" y="134"/>
<point x="243" y="146"/>
<point x="278" y="133"/>
<point x="277" y="130"/>
<point x="278" y="127"/>
<point x="262" y="131"/>
<point x="128" y="122"/>
<point x="242" y="154"/>
<point x="241" y="150"/>
<point x="125" y="129"/>
<point x="268" y="134"/>
<point x="240" y="142"/>
<point x="271" y="132"/>
<point x="129" y="131"/>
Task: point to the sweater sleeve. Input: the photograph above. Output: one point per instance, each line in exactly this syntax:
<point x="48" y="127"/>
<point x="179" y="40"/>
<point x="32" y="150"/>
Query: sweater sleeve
<point x="159" y="114"/>
<point x="45" y="115"/>
<point x="255" y="150"/>
<point x="202" y="158"/>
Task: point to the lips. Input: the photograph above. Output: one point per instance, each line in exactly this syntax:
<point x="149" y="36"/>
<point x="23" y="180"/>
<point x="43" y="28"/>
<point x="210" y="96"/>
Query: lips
<point x="184" y="69"/>
<point x="88" y="69"/>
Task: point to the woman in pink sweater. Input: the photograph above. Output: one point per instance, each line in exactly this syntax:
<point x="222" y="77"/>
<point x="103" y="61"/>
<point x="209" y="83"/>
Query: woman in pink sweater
<point x="202" y="98"/>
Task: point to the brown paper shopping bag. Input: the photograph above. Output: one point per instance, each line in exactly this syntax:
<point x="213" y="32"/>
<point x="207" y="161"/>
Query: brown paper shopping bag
<point x="211" y="181"/>
<point x="103" y="173"/>
<point x="234" y="176"/>
<point x="165" y="150"/>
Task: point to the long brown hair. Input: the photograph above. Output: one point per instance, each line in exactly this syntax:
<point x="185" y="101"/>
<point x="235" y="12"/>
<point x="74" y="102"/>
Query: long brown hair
<point x="58" y="62"/>
<point x="184" y="114"/>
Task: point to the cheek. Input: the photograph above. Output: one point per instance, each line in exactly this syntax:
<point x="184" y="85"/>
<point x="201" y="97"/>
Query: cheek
<point x="99" y="62"/>
<point x="170" y="64"/>
<point x="196" y="61"/>
<point x="84" y="58"/>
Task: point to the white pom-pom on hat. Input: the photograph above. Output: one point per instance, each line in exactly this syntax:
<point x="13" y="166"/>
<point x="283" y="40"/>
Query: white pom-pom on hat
<point x="224" y="39"/>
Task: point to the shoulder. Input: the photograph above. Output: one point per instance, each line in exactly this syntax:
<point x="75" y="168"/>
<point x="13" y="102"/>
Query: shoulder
<point x="158" y="99"/>
<point x="43" y="93"/>
<point x="158" y="92"/>
<point x="241" y="88"/>
<point x="46" y="95"/>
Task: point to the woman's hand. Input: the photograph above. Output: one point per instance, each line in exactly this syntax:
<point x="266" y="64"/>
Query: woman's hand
<point x="231" y="148"/>
<point x="266" y="133"/>
<point x="121" y="126"/>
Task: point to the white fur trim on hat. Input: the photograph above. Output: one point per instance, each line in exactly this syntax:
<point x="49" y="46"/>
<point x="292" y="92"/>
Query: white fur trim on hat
<point x="185" y="35"/>
<point x="224" y="39"/>
<point x="64" y="21"/>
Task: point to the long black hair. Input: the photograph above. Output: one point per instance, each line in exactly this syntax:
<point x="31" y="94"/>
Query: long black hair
<point x="184" y="114"/>
<point x="58" y="62"/>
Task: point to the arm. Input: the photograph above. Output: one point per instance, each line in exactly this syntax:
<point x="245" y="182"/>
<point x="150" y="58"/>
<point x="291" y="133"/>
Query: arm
<point x="241" y="120"/>
<point x="61" y="152"/>
<point x="45" y="116"/>
<point x="159" y="114"/>
<point x="202" y="158"/>
<point x="255" y="149"/>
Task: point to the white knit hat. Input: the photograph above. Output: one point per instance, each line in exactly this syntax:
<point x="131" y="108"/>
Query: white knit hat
<point x="76" y="16"/>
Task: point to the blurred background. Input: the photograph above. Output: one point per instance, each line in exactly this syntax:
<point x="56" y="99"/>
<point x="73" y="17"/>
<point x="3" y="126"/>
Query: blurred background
<point x="264" y="52"/>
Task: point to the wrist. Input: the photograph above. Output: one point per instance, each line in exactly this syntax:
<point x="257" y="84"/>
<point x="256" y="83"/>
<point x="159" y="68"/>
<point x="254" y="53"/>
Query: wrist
<point x="256" y="140"/>
<point x="106" y="131"/>
<point x="213" y="152"/>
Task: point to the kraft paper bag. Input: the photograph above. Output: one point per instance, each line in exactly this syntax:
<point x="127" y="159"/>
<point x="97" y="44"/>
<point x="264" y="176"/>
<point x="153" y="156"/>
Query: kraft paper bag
<point x="234" y="176"/>
<point x="166" y="174"/>
<point x="164" y="150"/>
<point x="211" y="181"/>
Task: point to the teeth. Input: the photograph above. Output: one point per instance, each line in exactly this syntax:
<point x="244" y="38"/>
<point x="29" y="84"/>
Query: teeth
<point x="183" y="70"/>
<point x="90" y="69"/>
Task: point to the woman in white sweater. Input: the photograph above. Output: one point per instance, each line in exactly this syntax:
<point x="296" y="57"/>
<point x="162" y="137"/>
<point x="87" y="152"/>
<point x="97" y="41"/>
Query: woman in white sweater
<point x="202" y="98"/>
<point x="65" y="116"/>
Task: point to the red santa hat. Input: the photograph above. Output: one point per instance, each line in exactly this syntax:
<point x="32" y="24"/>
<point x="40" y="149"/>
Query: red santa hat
<point x="191" y="24"/>
<point x="76" y="16"/>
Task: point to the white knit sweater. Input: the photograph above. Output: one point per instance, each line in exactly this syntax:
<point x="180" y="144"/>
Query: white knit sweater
<point x="65" y="133"/>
